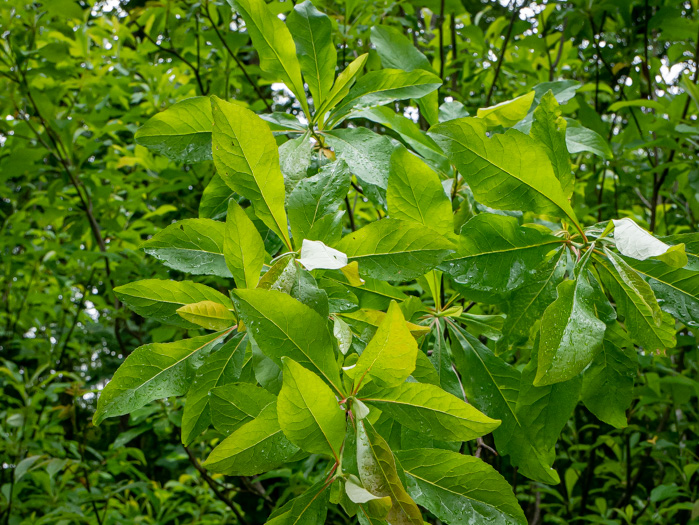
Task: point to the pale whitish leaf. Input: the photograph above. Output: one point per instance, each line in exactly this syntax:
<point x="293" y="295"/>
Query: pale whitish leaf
<point x="153" y="371"/>
<point x="182" y="132"/>
<point x="633" y="241"/>
<point x="256" y="447"/>
<point x="160" y="299"/>
<point x="343" y="334"/>
<point x="247" y="159"/>
<point x="192" y="246"/>
<point x="208" y="314"/>
<point x="316" y="255"/>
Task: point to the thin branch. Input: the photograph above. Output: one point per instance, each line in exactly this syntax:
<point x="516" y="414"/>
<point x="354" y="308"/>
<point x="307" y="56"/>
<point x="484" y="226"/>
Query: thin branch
<point x="513" y="18"/>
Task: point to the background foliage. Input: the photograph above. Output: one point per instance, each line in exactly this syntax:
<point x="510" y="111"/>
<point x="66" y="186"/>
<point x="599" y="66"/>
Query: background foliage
<point x="79" y="198"/>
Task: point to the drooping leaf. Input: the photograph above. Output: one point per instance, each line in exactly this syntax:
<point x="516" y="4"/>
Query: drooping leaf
<point x="154" y="371"/>
<point x="282" y="326"/>
<point x="442" y="362"/>
<point x="571" y="333"/>
<point x="310" y="508"/>
<point x="243" y="247"/>
<point x="507" y="113"/>
<point x="633" y="241"/>
<point x="316" y="197"/>
<point x="208" y="314"/>
<point x="220" y="368"/>
<point x="377" y="470"/>
<point x="214" y="199"/>
<point x="636" y="302"/>
<point x="496" y="256"/>
<point x="234" y="404"/>
<point x="295" y="159"/>
<point x="308" y="411"/>
<point x="192" y="246"/>
<point x="258" y="446"/>
<point x="549" y="128"/>
<point x="415" y="193"/>
<point x="389" y="358"/>
<point x="306" y="290"/>
<point x="182" y="132"/>
<point x="677" y="289"/>
<point x="395" y="250"/>
<point x="246" y="157"/>
<point x="510" y="171"/>
<point x="375" y="507"/>
<point x="311" y="31"/>
<point x="382" y="87"/>
<point x="431" y="411"/>
<point x="160" y="299"/>
<point x="459" y="489"/>
<point x="607" y="388"/>
<point x="368" y="156"/>
<point x="281" y="276"/>
<point x="493" y="386"/>
<point x="274" y="45"/>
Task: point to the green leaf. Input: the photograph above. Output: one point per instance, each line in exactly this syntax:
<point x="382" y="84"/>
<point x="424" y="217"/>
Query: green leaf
<point x="507" y="113"/>
<point x="234" y="404"/>
<point x="373" y="506"/>
<point x="389" y="358"/>
<point x="208" y="314"/>
<point x="396" y="51"/>
<point x="192" y="246"/>
<point x="549" y="128"/>
<point x="308" y="412"/>
<point x="368" y="156"/>
<point x="220" y="368"/>
<point x="677" y="289"/>
<point x="442" y="362"/>
<point x="153" y="371"/>
<point x="343" y="83"/>
<point x="527" y="303"/>
<point x="415" y="193"/>
<point x="243" y="247"/>
<point x="458" y="489"/>
<point x="310" y="508"/>
<point x="258" y="446"/>
<point x="571" y="333"/>
<point x="383" y="87"/>
<point x="637" y="303"/>
<point x="395" y="250"/>
<point x="282" y="326"/>
<point x="274" y="45"/>
<point x="312" y="33"/>
<point x="493" y="386"/>
<point x="214" y="200"/>
<point x="247" y="159"/>
<point x="544" y="410"/>
<point x="496" y="256"/>
<point x="281" y="276"/>
<point x="510" y="171"/>
<point x="633" y="241"/>
<point x="182" y="132"/>
<point x="306" y="290"/>
<point x="377" y="470"/>
<point x="431" y="411"/>
<point x="580" y="139"/>
<point x="295" y="159"/>
<point x="316" y="197"/>
<point x="160" y="300"/>
<point x="607" y="388"/>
